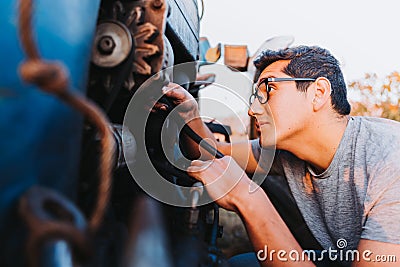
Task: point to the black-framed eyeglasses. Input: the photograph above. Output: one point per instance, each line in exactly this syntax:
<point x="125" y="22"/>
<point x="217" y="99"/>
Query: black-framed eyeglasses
<point x="263" y="97"/>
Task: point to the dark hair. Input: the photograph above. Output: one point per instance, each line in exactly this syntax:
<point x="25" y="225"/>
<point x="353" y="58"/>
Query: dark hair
<point x="310" y="62"/>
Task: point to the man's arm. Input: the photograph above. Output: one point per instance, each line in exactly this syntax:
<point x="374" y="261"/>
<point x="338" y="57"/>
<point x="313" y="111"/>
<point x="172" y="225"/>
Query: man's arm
<point x="273" y="243"/>
<point x="380" y="238"/>
<point x="375" y="253"/>
<point x="230" y="187"/>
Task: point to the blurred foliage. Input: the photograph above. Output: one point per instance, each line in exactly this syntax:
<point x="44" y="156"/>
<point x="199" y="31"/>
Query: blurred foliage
<point x="376" y="97"/>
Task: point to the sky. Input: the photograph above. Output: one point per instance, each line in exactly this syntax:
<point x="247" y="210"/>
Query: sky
<point x="363" y="35"/>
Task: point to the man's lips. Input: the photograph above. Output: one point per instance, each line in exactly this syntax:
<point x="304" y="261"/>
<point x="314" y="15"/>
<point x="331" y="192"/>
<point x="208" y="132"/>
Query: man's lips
<point x="259" y="124"/>
<point x="262" y="123"/>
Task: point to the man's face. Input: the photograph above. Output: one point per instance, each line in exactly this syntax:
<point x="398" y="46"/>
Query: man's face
<point x="284" y="117"/>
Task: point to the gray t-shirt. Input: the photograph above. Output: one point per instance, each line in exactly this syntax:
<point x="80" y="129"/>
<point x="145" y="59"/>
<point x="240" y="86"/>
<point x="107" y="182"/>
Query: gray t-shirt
<point x="358" y="196"/>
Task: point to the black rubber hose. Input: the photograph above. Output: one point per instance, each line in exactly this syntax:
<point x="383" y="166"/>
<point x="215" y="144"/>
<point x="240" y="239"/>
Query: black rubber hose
<point x="197" y="138"/>
<point x="192" y="134"/>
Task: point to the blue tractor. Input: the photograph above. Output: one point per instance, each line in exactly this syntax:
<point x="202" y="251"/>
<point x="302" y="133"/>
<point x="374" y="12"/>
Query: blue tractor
<point x="69" y="159"/>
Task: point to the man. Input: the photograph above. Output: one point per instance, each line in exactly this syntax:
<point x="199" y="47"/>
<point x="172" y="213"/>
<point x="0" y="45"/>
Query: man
<point x="343" y="171"/>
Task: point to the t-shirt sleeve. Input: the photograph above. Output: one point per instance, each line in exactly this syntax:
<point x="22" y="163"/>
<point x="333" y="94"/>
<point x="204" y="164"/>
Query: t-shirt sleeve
<point x="381" y="143"/>
<point x="382" y="208"/>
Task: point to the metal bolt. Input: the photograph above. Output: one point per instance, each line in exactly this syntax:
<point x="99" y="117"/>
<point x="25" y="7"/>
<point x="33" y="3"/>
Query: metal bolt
<point x="106" y="45"/>
<point x="157" y="3"/>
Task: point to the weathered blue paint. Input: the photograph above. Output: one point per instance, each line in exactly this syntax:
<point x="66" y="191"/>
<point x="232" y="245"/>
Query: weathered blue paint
<point x="39" y="135"/>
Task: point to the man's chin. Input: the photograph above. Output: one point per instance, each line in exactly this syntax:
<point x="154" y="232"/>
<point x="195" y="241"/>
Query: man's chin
<point x="262" y="142"/>
<point x="266" y="144"/>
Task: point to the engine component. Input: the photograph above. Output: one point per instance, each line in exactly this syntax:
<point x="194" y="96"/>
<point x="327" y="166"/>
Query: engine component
<point x="126" y="146"/>
<point x="112" y="44"/>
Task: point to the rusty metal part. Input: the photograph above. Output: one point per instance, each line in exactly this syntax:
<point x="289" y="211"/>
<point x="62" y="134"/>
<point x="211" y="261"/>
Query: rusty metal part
<point x="107" y="144"/>
<point x="106" y="45"/>
<point x="52" y="78"/>
<point x="50" y="216"/>
<point x="144" y="50"/>
<point x="143" y="23"/>
<point x="112" y="44"/>
<point x="25" y="32"/>
<point x="146" y="21"/>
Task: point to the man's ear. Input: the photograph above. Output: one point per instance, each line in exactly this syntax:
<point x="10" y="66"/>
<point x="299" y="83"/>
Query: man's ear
<point x="322" y="93"/>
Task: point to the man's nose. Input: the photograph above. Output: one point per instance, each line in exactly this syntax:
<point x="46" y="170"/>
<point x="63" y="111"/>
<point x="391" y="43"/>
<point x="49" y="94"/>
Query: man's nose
<point x="255" y="108"/>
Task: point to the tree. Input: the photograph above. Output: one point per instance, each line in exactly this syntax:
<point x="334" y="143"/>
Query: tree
<point x="375" y="97"/>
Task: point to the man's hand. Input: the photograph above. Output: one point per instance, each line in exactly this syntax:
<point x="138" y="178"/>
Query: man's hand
<point x="224" y="180"/>
<point x="186" y="105"/>
<point x="187" y="109"/>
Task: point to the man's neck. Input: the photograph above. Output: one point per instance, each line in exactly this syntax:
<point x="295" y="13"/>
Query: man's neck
<point x="320" y="142"/>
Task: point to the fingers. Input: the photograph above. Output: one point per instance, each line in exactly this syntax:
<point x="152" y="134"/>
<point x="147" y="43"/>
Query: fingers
<point x="175" y="91"/>
<point x="197" y="163"/>
<point x="192" y="169"/>
<point x="198" y="166"/>
<point x="153" y="106"/>
<point x="169" y="88"/>
<point x="203" y="163"/>
<point x="159" y="106"/>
